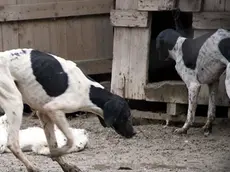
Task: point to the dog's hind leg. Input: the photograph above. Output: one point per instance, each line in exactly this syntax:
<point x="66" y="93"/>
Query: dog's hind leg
<point x="227" y="80"/>
<point x="193" y="92"/>
<point x="211" y="108"/>
<point x="11" y="102"/>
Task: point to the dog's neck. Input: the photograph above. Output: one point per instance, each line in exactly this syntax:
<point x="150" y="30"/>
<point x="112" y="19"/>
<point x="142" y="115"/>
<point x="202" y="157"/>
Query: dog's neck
<point x="176" y="52"/>
<point x="99" y="96"/>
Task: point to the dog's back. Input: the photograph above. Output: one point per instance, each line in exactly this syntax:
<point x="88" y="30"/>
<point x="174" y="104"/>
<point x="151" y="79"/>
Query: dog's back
<point x="211" y="62"/>
<point x="40" y="76"/>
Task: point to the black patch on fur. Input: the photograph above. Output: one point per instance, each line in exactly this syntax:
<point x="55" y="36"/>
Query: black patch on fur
<point x="191" y="48"/>
<point x="49" y="73"/>
<point x="224" y="47"/>
<point x="102" y="121"/>
<point x="116" y="111"/>
<point x="165" y="41"/>
<point x="99" y="96"/>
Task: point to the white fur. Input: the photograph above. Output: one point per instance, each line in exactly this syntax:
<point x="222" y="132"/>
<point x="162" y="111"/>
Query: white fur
<point x="210" y="65"/>
<point x="18" y="85"/>
<point x="34" y="139"/>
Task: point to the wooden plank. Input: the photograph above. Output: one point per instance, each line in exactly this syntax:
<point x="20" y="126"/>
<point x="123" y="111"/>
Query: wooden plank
<point x="131" y="48"/>
<point x="95" y="66"/>
<point x="54" y="10"/>
<point x="104" y="44"/>
<point x="121" y="48"/>
<point x="211" y="20"/>
<point x="7" y="2"/>
<point x="214" y="5"/>
<point x="107" y="46"/>
<point x="130" y="52"/>
<point x="26" y="34"/>
<point x="57" y="36"/>
<point x="176" y="92"/>
<point x="175" y="109"/>
<point x="156" y="5"/>
<point x="41" y="37"/>
<point x="138" y="63"/>
<point x="34" y="1"/>
<point x="88" y="33"/>
<point x="199" y="32"/>
<point x="74" y="37"/>
<point x="10" y="36"/>
<point x="227" y="6"/>
<point x="190" y="6"/>
<point x="1" y="38"/>
<point x="126" y="4"/>
<point x="178" y="118"/>
<point x="129" y="18"/>
<point x="85" y="40"/>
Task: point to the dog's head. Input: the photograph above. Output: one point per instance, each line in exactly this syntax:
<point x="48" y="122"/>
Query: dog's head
<point x="165" y="41"/>
<point x="117" y="115"/>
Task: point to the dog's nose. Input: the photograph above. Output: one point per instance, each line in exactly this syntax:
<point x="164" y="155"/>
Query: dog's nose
<point x="130" y="135"/>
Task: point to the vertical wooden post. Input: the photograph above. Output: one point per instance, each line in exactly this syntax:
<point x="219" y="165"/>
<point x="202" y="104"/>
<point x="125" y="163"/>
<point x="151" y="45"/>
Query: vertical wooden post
<point x="130" y="57"/>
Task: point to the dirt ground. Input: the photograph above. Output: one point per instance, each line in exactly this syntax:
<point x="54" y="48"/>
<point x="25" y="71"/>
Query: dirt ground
<point x="154" y="149"/>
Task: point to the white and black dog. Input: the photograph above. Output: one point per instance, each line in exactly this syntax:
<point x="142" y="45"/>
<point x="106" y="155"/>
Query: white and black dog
<point x="198" y="61"/>
<point x="54" y="86"/>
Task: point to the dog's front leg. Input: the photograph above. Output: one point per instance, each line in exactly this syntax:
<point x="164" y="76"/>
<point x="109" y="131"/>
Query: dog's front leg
<point x="211" y="108"/>
<point x="48" y="127"/>
<point x="11" y="103"/>
<point x="193" y="92"/>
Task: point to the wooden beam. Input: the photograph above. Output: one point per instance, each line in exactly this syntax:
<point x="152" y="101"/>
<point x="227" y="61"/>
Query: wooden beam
<point x="214" y="5"/>
<point x="130" y="57"/>
<point x="199" y="32"/>
<point x="227" y="6"/>
<point x="156" y="5"/>
<point x="211" y="20"/>
<point x="178" y="118"/>
<point x="97" y="66"/>
<point x="176" y="92"/>
<point x="175" y="109"/>
<point x="129" y="18"/>
<point x="54" y="9"/>
<point x="190" y="6"/>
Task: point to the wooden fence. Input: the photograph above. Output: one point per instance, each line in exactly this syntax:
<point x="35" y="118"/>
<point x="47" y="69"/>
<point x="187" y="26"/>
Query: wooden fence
<point x="78" y="30"/>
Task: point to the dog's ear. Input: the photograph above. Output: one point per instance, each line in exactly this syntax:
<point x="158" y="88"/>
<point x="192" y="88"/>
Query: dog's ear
<point x="102" y="121"/>
<point x="112" y="110"/>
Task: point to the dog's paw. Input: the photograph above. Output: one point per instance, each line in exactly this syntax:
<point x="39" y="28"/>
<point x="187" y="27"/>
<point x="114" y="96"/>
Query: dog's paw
<point x="207" y="129"/>
<point x="180" y="131"/>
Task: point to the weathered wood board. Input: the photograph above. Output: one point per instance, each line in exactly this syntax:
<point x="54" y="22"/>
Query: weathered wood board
<point x="190" y="6"/>
<point x="129" y="18"/>
<point x="130" y="57"/>
<point x="156" y="5"/>
<point x="211" y="20"/>
<point x="79" y="30"/>
<point x="54" y="9"/>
